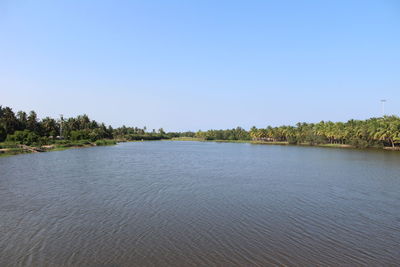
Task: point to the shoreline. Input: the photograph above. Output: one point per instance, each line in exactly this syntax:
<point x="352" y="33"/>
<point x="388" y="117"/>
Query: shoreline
<point x="19" y="149"/>
<point x="285" y="143"/>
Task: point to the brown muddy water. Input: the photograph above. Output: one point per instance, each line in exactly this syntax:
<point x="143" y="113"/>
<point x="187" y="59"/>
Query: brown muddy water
<point x="171" y="203"/>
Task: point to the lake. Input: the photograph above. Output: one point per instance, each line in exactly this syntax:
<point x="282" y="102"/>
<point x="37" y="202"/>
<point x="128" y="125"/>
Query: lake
<point x="200" y="204"/>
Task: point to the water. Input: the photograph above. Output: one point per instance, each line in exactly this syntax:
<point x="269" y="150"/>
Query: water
<point x="197" y="203"/>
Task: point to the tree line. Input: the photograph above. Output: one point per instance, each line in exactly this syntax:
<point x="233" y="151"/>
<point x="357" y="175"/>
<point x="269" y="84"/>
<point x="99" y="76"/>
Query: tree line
<point x="373" y="132"/>
<point x="26" y="128"/>
<point x="237" y="133"/>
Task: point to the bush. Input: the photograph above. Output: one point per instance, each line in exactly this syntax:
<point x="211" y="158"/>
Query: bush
<point x="359" y="143"/>
<point x="25" y="137"/>
<point x="315" y="139"/>
<point x="292" y="140"/>
<point x="94" y="135"/>
<point x="105" y="142"/>
<point x="78" y="135"/>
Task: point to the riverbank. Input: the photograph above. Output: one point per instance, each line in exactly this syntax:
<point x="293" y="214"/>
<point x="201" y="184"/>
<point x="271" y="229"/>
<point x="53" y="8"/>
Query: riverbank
<point x="10" y="149"/>
<point x="282" y="143"/>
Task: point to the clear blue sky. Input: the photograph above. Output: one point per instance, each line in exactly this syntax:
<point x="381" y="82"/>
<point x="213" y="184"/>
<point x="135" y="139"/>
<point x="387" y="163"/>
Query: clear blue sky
<point x="189" y="65"/>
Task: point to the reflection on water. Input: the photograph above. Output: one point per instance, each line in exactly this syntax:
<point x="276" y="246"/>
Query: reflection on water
<point x="196" y="203"/>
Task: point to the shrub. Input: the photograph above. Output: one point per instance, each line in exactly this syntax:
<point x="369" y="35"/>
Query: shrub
<point x="105" y="142"/>
<point x="292" y="140"/>
<point x="25" y="137"/>
<point x="359" y="143"/>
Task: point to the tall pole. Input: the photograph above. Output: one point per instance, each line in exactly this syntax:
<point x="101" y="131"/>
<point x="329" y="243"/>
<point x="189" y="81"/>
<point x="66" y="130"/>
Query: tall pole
<point x="383" y="101"/>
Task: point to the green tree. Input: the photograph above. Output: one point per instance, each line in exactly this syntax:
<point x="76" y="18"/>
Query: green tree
<point x="32" y="122"/>
<point x="8" y="120"/>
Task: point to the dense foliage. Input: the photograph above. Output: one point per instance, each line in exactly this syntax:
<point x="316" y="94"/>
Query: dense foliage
<point x="23" y="128"/>
<point x="230" y="134"/>
<point x="374" y="132"/>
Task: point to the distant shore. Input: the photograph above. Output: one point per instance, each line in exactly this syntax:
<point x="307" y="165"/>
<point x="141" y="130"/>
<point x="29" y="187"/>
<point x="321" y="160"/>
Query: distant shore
<point x="282" y="143"/>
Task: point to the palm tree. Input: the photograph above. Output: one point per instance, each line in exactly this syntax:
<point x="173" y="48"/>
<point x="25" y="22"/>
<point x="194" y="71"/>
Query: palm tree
<point x="389" y="130"/>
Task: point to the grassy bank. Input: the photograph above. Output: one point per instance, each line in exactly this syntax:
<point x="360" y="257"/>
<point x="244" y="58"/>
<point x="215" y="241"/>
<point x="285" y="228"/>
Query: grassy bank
<point x="10" y="148"/>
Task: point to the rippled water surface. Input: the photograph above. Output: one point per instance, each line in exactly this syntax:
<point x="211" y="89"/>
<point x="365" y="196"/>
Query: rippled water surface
<point x="196" y="203"/>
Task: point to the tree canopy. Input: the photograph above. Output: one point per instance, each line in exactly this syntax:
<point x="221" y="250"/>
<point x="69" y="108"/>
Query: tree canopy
<point x="374" y="132"/>
<point x="27" y="129"/>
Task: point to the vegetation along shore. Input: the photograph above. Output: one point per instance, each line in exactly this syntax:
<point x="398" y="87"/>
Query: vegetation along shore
<point x="25" y="133"/>
<point x="382" y="132"/>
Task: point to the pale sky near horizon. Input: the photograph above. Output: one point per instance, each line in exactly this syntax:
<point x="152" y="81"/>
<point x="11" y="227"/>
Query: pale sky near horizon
<point x="190" y="65"/>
